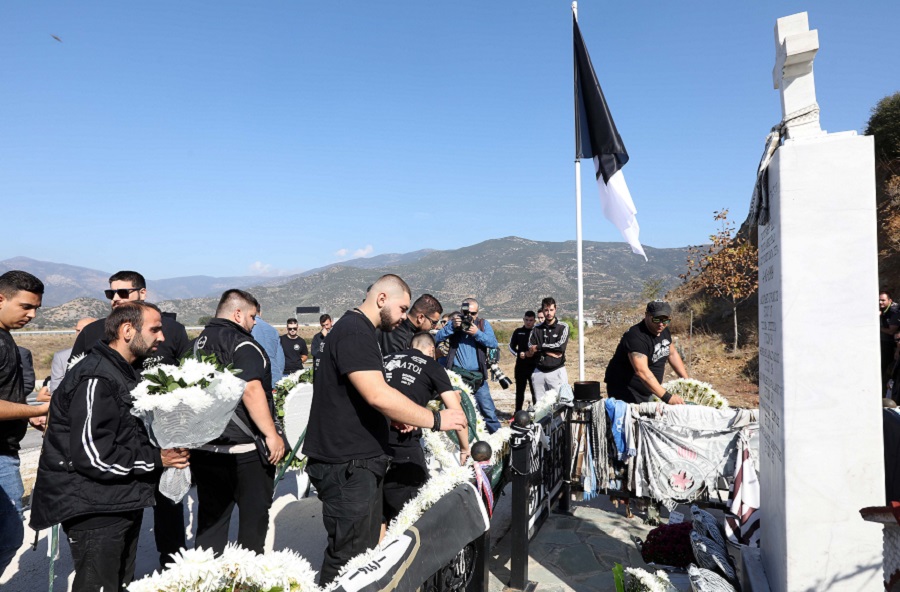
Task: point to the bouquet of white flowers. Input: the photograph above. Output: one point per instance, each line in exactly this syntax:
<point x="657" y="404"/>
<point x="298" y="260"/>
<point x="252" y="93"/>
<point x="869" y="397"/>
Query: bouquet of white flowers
<point x="186" y="406"/>
<point x="199" y="570"/>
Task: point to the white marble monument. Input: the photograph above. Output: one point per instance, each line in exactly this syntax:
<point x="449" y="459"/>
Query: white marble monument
<point x="820" y="403"/>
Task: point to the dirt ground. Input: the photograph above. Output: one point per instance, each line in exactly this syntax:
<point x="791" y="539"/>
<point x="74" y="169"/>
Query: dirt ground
<point x="707" y="359"/>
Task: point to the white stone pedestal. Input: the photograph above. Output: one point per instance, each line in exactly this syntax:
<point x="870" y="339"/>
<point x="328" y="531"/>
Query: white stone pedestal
<point x="820" y="402"/>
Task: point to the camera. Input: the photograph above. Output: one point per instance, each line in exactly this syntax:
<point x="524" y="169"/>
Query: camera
<point x="465" y="318"/>
<point x="497" y="375"/>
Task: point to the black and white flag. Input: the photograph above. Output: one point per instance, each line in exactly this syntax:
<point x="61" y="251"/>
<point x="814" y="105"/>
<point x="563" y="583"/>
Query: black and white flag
<point x="596" y="137"/>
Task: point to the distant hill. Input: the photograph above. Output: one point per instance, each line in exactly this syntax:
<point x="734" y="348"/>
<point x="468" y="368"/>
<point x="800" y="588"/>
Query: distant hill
<point x="64" y="283"/>
<point x="507" y="275"/>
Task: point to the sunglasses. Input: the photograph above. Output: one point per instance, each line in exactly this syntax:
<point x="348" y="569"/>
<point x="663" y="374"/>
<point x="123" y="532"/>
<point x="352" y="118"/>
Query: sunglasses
<point x="292" y="328"/>
<point x="661" y="320"/>
<point x="121" y="293"/>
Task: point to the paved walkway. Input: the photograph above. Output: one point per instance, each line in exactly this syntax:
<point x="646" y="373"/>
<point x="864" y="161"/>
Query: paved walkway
<point x="569" y="553"/>
<point x="578" y="552"/>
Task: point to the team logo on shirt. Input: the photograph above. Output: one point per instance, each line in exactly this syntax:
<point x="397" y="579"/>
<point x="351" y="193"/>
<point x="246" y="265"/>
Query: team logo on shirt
<point x="661" y="350"/>
<point x="201" y="342"/>
<point x="399" y="362"/>
<point x="296" y="347"/>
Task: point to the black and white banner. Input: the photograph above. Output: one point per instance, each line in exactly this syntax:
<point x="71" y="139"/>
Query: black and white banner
<point x="454" y="521"/>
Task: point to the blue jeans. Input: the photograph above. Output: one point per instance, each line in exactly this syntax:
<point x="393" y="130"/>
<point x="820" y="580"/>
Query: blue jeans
<point x="12" y="529"/>
<point x="486" y="406"/>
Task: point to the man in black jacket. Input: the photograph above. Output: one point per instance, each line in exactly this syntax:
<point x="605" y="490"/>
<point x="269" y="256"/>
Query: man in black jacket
<point x="229" y="470"/>
<point x="518" y="347"/>
<point x="424" y="315"/>
<point x="125" y="287"/>
<point x="98" y="469"/>
<point x="547" y="346"/>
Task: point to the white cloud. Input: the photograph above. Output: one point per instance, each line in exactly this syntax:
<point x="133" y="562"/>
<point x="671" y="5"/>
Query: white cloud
<point x="260" y="268"/>
<point x="268" y="270"/>
<point x="346" y="253"/>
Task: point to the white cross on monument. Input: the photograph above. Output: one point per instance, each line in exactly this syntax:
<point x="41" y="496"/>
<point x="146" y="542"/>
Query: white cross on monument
<point x="795" y="48"/>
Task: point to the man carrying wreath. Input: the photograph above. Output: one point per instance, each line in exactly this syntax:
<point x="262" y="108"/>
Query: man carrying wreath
<point x="98" y="468"/>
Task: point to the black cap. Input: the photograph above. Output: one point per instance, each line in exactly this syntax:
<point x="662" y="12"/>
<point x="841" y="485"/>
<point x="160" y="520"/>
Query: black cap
<point x="659" y="308"/>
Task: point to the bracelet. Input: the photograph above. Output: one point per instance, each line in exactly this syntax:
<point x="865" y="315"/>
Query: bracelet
<point x="437" y="421"/>
<point x="666" y="396"/>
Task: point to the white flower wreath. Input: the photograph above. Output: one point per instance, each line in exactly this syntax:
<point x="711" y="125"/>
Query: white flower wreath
<point x="694" y="391"/>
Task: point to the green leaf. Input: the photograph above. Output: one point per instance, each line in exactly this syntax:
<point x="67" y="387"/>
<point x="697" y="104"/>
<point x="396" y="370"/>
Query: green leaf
<point x="619" y="576"/>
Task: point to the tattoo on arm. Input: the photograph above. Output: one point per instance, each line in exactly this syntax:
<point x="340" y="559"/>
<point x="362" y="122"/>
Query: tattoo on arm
<point x="637" y="356"/>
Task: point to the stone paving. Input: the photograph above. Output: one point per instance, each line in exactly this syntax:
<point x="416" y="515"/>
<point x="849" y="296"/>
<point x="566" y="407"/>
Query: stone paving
<point x="578" y="552"/>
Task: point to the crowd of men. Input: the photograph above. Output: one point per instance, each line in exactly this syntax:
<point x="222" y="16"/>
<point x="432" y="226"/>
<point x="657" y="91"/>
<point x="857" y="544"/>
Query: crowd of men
<point x="375" y="370"/>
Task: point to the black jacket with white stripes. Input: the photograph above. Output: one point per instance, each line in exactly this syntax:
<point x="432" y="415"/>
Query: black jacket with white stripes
<point x="97" y="457"/>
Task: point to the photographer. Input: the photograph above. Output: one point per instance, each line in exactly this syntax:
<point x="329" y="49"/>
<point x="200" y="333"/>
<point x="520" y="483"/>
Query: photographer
<point x="469" y="338"/>
<point x="547" y="345"/>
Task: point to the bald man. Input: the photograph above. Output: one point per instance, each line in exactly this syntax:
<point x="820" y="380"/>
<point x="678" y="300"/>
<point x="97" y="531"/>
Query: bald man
<point x="347" y="437"/>
<point x="61" y="358"/>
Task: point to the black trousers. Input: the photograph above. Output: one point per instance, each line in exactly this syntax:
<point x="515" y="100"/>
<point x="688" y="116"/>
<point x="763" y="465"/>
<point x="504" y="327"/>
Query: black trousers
<point x="351" y="495"/>
<point x="224" y="480"/>
<point x="523" y="376"/>
<point x="104" y="557"/>
<point x="402" y="483"/>
<point x="168" y="527"/>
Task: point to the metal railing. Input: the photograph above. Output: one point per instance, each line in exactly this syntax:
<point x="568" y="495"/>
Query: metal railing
<point x="541" y="454"/>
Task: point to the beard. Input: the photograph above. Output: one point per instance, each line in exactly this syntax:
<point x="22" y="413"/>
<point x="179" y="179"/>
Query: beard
<point x="386" y="323"/>
<point x="139" y="348"/>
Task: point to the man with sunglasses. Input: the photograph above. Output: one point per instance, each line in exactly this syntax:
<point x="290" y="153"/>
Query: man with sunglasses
<point x="294" y="347"/>
<point x="424" y="315"/>
<point x="130" y="286"/>
<point x="636" y="370"/>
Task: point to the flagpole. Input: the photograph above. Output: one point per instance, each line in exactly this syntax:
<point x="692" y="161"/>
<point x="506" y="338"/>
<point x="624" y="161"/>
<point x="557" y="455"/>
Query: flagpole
<point x="578" y="247"/>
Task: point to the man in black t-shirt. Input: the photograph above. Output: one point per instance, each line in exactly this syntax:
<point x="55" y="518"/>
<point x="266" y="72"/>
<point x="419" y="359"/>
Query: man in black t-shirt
<point x="518" y="347"/>
<point x="229" y="469"/>
<point x="130" y="286"/>
<point x="294" y="346"/>
<point x="415" y="373"/>
<point x="20" y="297"/>
<point x="637" y="368"/>
<point x="347" y="437"/>
<point x="318" y="340"/>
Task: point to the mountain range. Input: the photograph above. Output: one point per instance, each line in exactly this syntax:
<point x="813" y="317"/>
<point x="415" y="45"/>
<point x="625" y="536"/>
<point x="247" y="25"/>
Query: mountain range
<point x="507" y="275"/>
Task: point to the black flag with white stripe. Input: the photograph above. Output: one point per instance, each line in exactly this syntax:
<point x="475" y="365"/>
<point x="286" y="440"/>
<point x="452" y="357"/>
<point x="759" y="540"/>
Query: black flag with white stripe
<point x="596" y="137"/>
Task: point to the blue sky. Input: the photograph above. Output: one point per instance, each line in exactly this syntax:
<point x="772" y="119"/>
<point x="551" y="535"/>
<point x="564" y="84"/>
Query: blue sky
<point x="229" y="138"/>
